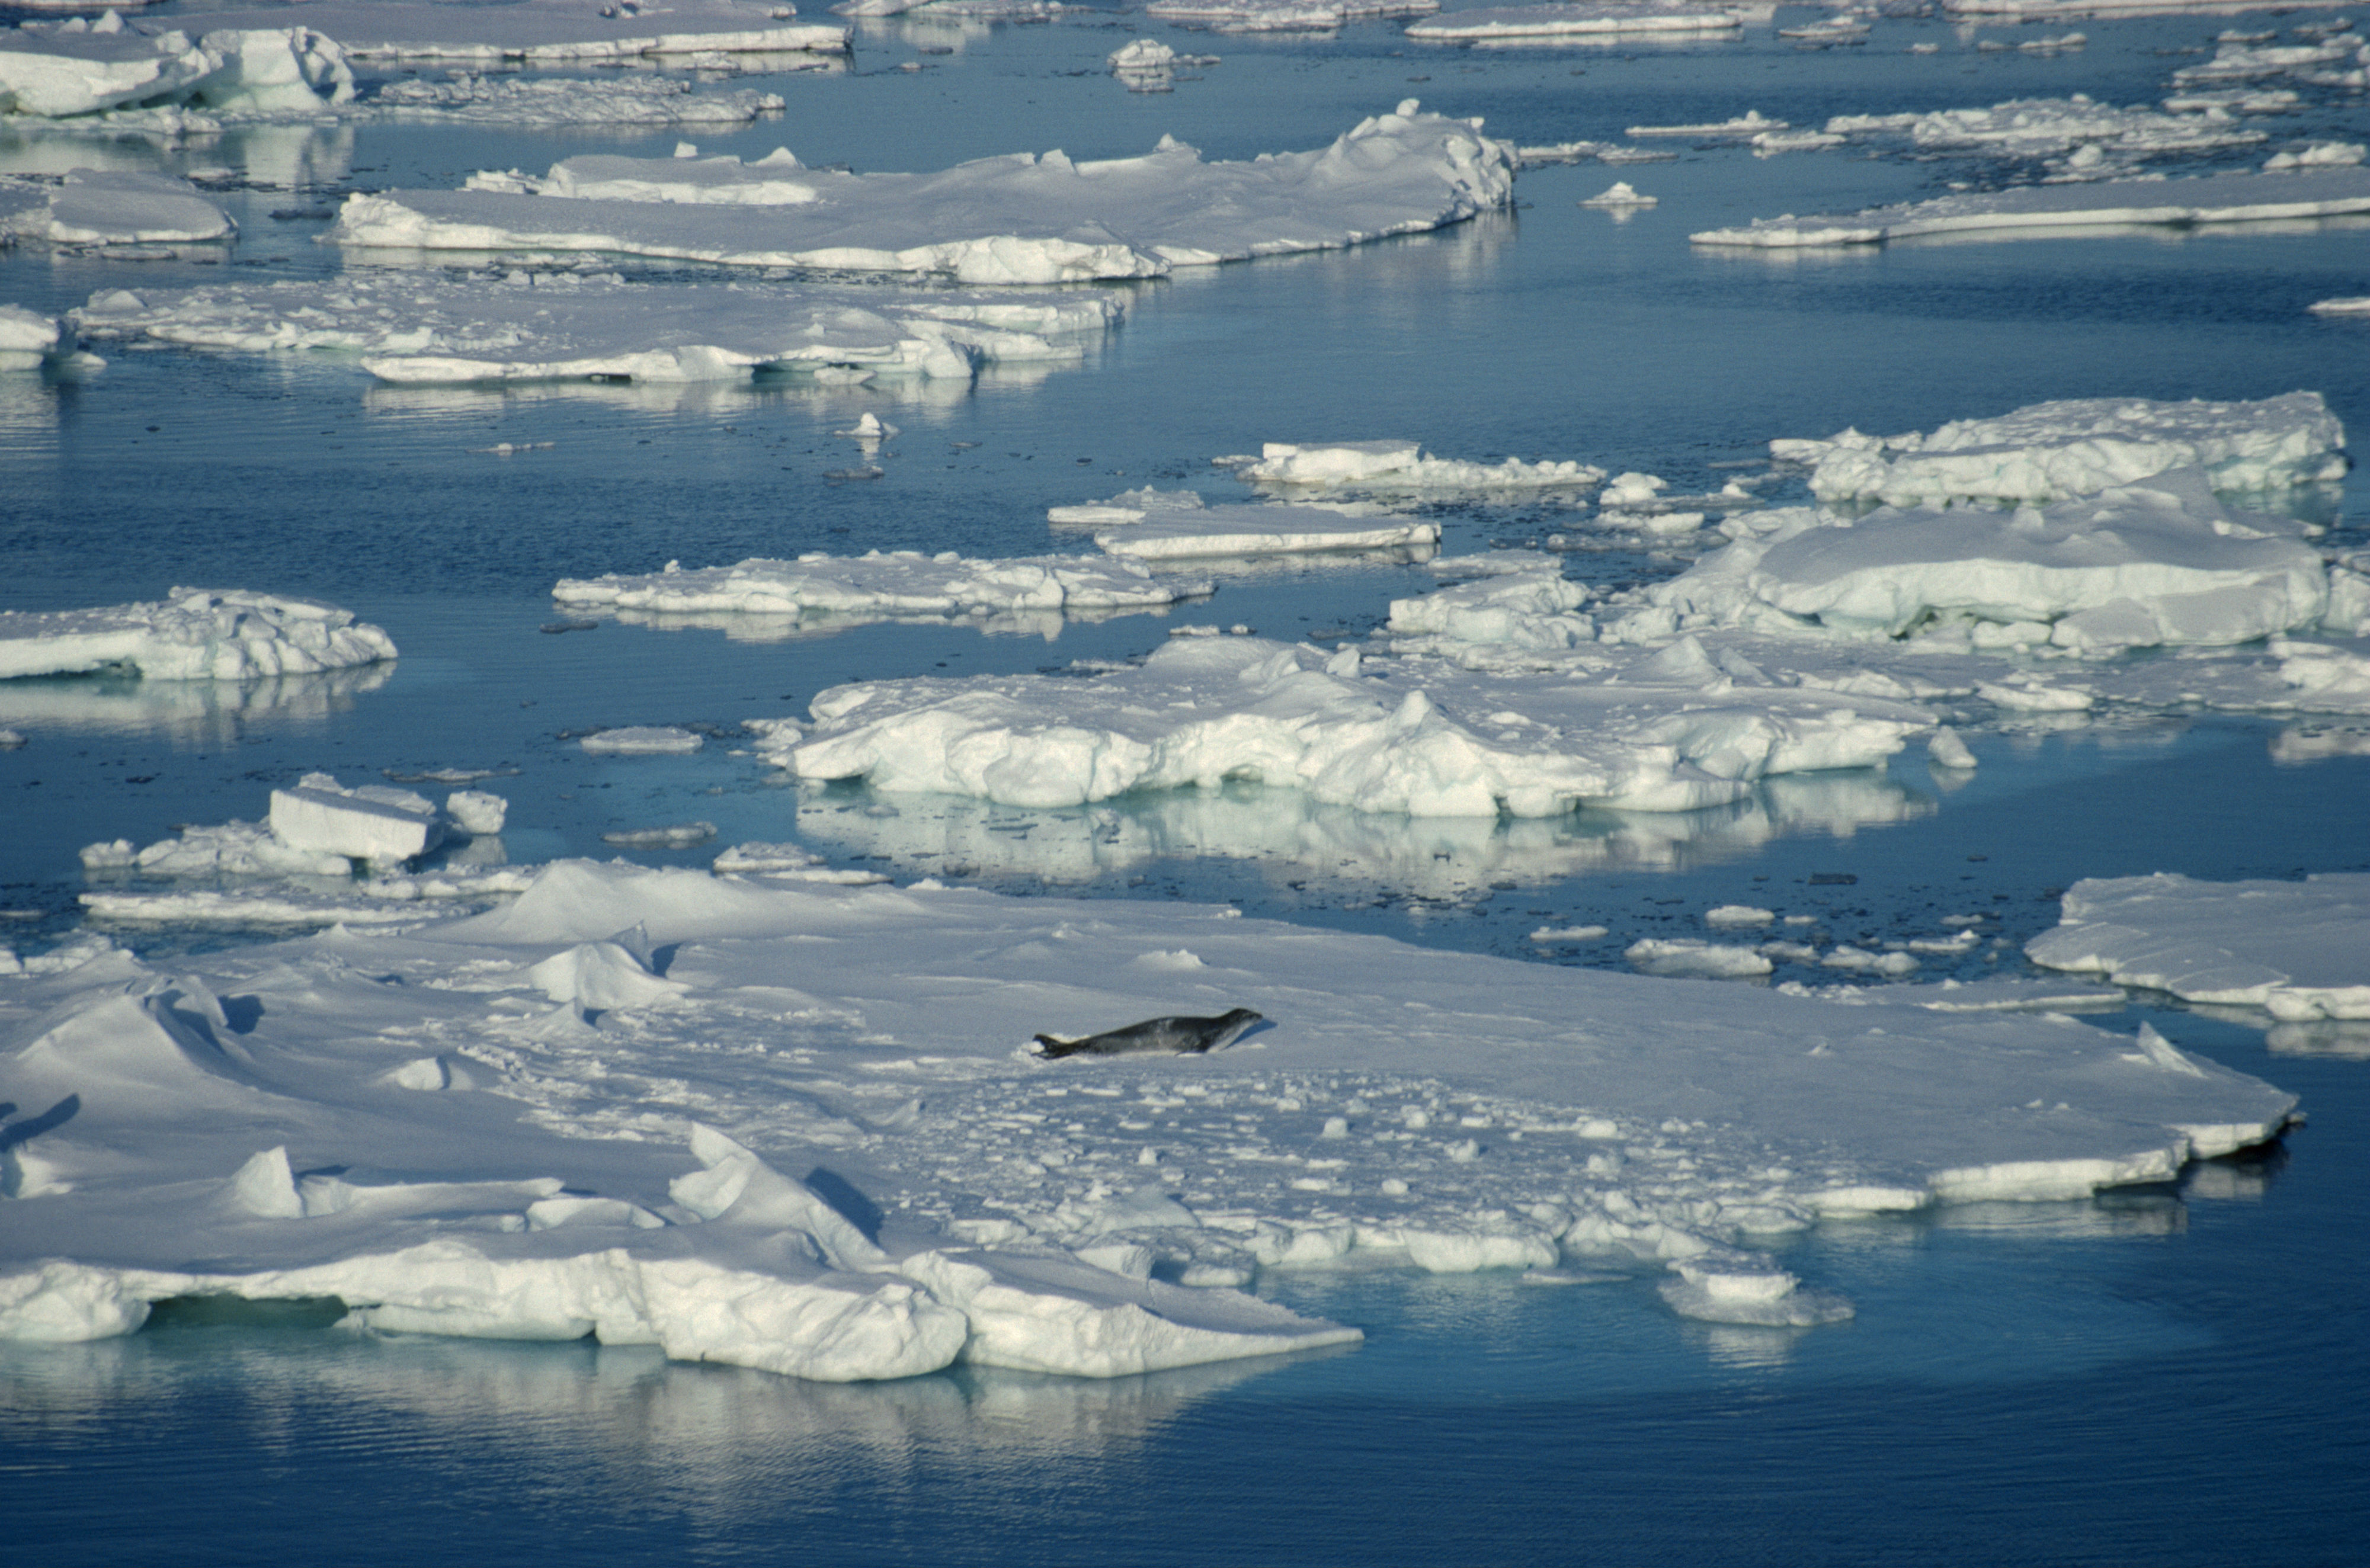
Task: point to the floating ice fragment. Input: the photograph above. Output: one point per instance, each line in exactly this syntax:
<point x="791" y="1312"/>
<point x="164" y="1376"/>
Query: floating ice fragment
<point x="2299" y="950"/>
<point x="1685" y="956"/>
<point x="1576" y="19"/>
<point x="1948" y="751"/>
<point x="375" y="823"/>
<point x="192" y="634"/>
<point x="1399" y="468"/>
<point x="643" y="740"/>
<point x="1619" y="194"/>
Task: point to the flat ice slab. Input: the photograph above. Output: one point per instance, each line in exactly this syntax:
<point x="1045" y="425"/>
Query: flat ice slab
<point x="109" y="207"/>
<point x="1022" y="219"/>
<point x="2079" y="446"/>
<point x="1393" y="467"/>
<point x="2036" y="211"/>
<point x="522" y="325"/>
<point x="2300" y="950"/>
<point x="1151" y="525"/>
<point x="1506" y="24"/>
<point x="191" y="634"/>
<point x="523" y="1139"/>
<point x="539" y="32"/>
<point x="878" y="586"/>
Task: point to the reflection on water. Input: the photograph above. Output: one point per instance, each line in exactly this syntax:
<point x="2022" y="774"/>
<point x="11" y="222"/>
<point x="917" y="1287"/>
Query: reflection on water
<point x="189" y="712"/>
<point x="278" y="157"/>
<point x="1444" y="858"/>
<point x="702" y="399"/>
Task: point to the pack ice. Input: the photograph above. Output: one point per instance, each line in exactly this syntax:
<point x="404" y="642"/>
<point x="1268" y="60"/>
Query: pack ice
<point x="191" y="634"/>
<point x="665" y="1107"/>
<point x="107" y="207"/>
<point x="2299" y="950"/>
<point x="1020" y="219"/>
<point x="878" y="586"/>
<point x="2036" y="211"/>
<point x="539" y="326"/>
<point x="2080" y="446"/>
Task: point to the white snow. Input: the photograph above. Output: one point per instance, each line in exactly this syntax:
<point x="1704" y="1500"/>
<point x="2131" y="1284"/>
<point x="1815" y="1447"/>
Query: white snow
<point x="411" y="1123"/>
<point x="1581" y="18"/>
<point x="1395" y="467"/>
<point x="2031" y="211"/>
<point x="191" y="634"/>
<point x="528" y="326"/>
<point x="1019" y="219"/>
<point x="107" y="207"/>
<point x="833" y="592"/>
<point x="1176" y="525"/>
<point x="2300" y="950"/>
<point x="2080" y="446"/>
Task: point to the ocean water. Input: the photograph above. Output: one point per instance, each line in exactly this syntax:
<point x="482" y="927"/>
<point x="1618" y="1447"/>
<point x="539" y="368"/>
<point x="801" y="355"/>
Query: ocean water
<point x="2159" y="1375"/>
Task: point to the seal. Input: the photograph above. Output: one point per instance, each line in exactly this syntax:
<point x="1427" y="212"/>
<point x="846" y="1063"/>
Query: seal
<point x="1177" y="1036"/>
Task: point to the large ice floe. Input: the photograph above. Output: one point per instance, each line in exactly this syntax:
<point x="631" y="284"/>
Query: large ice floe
<point x="540" y="325"/>
<point x="790" y="1127"/>
<point x="2299" y="950"/>
<point x="109" y="207"/>
<point x="1395" y="467"/>
<point x="823" y="593"/>
<point x="1177" y="525"/>
<point x="1582" y="20"/>
<point x="2052" y="450"/>
<point x="2033" y="211"/>
<point x="1021" y="219"/>
<point x="191" y="634"/>
<point x="56" y="70"/>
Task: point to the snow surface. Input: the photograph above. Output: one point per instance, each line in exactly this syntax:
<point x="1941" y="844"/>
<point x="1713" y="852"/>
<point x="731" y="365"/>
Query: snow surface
<point x="1393" y="467"/>
<point x="107" y="207"/>
<point x="2080" y="446"/>
<point x="1020" y="219"/>
<point x="191" y="634"/>
<point x="844" y="590"/>
<point x="531" y="325"/>
<point x="2300" y="950"/>
<point x="1585" y="18"/>
<point x="2039" y="209"/>
<point x="587" y="1113"/>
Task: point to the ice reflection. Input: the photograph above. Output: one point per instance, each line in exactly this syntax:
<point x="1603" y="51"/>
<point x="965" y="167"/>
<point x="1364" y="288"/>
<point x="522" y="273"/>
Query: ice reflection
<point x="278" y="157"/>
<point x="1747" y="1349"/>
<point x="727" y="399"/>
<point x="2324" y="1037"/>
<point x="2135" y="1211"/>
<point x="1335" y="847"/>
<point x="190" y="712"/>
<point x="727" y="1435"/>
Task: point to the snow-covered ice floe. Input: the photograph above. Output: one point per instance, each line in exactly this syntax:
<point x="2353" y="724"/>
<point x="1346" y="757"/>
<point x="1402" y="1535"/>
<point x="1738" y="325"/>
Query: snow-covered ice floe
<point x="1395" y="467"/>
<point x="2040" y="209"/>
<point x="529" y="325"/>
<point x="2157" y="563"/>
<point x="1580" y="19"/>
<point x="470" y="99"/>
<point x="645" y="1106"/>
<point x="1176" y="525"/>
<point x="191" y="634"/>
<point x="1280" y="15"/>
<point x="2299" y="950"/>
<point x="842" y="590"/>
<point x="1021" y="219"/>
<point x="2082" y="138"/>
<point x="56" y="70"/>
<point x="540" y="32"/>
<point x="2079" y="446"/>
<point x="109" y="207"/>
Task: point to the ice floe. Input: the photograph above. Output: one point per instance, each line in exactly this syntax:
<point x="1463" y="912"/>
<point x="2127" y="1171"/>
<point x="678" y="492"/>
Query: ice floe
<point x="107" y="207"/>
<point x="2299" y="950"/>
<point x="1395" y="467"/>
<point x="2347" y="305"/>
<point x="1022" y="219"/>
<point x="1580" y="19"/>
<point x="191" y="634"/>
<point x="1176" y="525"/>
<point x="1280" y="15"/>
<point x="542" y="32"/>
<point x="2088" y="140"/>
<point x="470" y="99"/>
<point x="27" y="338"/>
<point x="2038" y="210"/>
<point x="787" y="1127"/>
<point x="58" y="69"/>
<point x="645" y="740"/>
<point x="2048" y="450"/>
<point x="539" y="326"/>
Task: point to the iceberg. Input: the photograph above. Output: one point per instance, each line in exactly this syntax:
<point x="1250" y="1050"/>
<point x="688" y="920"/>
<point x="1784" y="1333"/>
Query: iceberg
<point x="2031" y="211"/>
<point x="191" y="634"/>
<point x="1021" y="219"/>
<point x="411" y="1124"/>
<point x="520" y="326"/>
<point x="2298" y="950"/>
<point x="848" y="589"/>
<point x="1582" y="19"/>
<point x="1391" y="467"/>
<point x="107" y="207"/>
<point x="2080" y="446"/>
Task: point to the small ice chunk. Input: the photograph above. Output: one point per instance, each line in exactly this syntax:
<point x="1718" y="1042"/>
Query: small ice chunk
<point x="476" y="812"/>
<point x="640" y="740"/>
<point x="1738" y="915"/>
<point x="377" y="822"/>
<point x="1685" y="956"/>
<point x="1948" y="751"/>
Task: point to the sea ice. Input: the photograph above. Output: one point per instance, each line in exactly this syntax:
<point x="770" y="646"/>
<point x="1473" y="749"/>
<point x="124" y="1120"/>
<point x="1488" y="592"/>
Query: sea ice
<point x="191" y="635"/>
<point x="1581" y="19"/>
<point x="57" y="70"/>
<point x="1679" y="957"/>
<point x="2094" y="140"/>
<point x="544" y="32"/>
<point x="1021" y="219"/>
<point x="411" y="1123"/>
<point x="644" y="740"/>
<point x="27" y="338"/>
<point x="529" y="325"/>
<point x="472" y="99"/>
<point x="842" y="590"/>
<point x="2038" y="210"/>
<point x="2076" y="446"/>
<point x="2300" y="950"/>
<point x="107" y="207"/>
<point x="1175" y="525"/>
<point x="1390" y="467"/>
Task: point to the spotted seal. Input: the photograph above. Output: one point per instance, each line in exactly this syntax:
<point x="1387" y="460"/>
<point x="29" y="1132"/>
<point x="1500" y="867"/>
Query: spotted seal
<point x="1178" y="1036"/>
